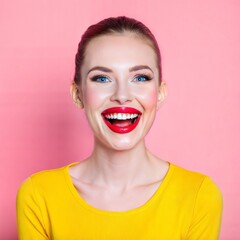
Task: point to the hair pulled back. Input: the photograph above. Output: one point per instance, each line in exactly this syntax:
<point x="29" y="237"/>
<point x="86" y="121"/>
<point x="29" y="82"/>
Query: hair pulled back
<point x="110" y="26"/>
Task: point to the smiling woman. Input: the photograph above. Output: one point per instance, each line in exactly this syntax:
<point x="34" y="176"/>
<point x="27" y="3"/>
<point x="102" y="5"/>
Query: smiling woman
<point x="121" y="186"/>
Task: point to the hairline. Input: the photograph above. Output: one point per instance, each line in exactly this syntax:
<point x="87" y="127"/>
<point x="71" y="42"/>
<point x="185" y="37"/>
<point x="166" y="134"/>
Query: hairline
<point x="122" y="32"/>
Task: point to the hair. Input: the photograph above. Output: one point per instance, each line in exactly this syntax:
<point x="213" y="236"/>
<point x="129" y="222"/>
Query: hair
<point x="110" y="26"/>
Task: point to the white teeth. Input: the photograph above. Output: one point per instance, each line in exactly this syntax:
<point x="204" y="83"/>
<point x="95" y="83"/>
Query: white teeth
<point x="124" y="117"/>
<point x="121" y="116"/>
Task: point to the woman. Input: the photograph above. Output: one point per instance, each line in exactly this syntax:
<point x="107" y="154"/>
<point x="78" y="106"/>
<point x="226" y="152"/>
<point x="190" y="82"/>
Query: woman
<point x="121" y="191"/>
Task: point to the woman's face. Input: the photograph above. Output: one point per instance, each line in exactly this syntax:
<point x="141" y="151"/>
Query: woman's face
<point x="120" y="89"/>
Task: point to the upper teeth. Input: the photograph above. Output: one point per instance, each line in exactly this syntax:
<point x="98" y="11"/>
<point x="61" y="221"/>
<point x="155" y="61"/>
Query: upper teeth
<point x="121" y="116"/>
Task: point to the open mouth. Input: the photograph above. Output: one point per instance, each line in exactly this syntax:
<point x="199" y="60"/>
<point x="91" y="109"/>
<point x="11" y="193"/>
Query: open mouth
<point x="121" y="119"/>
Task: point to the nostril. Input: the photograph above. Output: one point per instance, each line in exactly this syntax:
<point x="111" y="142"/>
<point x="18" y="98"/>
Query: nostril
<point x="122" y="96"/>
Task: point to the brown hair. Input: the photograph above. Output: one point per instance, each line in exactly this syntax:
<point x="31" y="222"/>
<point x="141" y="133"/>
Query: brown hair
<point x="109" y="26"/>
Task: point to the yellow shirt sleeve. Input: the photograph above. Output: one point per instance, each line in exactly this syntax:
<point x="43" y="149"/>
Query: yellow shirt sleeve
<point x="29" y="215"/>
<point x="206" y="219"/>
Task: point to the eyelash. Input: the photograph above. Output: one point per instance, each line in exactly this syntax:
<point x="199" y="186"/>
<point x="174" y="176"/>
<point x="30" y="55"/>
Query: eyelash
<point x="98" y="77"/>
<point x="147" y="78"/>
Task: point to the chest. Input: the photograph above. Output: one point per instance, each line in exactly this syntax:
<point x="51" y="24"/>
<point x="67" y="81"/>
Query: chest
<point x="153" y="223"/>
<point x="114" y="199"/>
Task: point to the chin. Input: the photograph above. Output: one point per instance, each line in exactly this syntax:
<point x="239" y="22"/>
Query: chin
<point x="121" y="143"/>
<point x="121" y="147"/>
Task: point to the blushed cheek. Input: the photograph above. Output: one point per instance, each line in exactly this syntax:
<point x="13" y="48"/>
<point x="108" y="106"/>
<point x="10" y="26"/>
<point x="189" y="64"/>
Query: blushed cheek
<point x="94" y="97"/>
<point x="148" y="96"/>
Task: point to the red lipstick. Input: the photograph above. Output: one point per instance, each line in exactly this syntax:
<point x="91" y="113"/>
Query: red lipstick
<point x="121" y="119"/>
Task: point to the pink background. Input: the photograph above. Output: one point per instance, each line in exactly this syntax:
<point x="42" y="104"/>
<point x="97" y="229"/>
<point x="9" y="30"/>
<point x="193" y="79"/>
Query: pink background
<point x="198" y="127"/>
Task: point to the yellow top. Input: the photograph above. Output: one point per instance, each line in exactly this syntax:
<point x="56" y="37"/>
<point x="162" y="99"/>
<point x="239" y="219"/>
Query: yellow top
<point x="187" y="205"/>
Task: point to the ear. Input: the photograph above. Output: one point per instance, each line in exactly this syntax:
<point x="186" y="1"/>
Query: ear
<point x="162" y="94"/>
<point x="76" y="95"/>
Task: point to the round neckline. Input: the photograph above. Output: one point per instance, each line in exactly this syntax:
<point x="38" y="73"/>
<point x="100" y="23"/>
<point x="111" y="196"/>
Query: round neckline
<point x="91" y="208"/>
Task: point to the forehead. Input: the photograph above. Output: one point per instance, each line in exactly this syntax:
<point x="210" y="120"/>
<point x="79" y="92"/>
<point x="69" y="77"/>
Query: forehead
<point x="123" y="48"/>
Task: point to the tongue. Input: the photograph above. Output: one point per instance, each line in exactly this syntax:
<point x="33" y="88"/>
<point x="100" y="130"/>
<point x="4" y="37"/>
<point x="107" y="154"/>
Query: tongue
<point x="122" y="123"/>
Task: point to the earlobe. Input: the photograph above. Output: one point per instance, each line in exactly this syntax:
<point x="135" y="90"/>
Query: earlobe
<point x="75" y="94"/>
<point x="162" y="94"/>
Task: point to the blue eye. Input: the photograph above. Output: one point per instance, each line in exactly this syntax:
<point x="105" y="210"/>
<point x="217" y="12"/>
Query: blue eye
<point x="100" y="79"/>
<point x="142" y="78"/>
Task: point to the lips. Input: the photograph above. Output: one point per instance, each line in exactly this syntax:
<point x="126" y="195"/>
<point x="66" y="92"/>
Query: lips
<point x="121" y="119"/>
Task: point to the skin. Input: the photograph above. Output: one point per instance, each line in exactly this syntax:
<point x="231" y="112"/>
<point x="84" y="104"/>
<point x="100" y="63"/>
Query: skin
<point x="121" y="173"/>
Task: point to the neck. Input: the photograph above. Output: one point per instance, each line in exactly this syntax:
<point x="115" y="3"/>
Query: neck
<point x="121" y="169"/>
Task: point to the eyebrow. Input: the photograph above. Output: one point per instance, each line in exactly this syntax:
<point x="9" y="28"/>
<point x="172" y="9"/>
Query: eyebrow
<point x="104" y="69"/>
<point x="140" y="67"/>
<point x="132" y="69"/>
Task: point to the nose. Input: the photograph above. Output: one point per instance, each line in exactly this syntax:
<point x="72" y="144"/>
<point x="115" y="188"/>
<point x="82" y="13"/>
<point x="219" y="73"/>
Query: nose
<point x="122" y="93"/>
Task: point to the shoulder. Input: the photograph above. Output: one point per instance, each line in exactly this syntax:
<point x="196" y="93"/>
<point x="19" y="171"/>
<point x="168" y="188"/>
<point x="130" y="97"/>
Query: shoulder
<point x="199" y="185"/>
<point x="45" y="177"/>
<point x="47" y="181"/>
<point x="36" y="197"/>
<point x="184" y="174"/>
<point x="191" y="177"/>
<point x="203" y="200"/>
